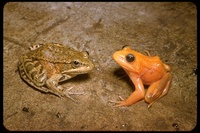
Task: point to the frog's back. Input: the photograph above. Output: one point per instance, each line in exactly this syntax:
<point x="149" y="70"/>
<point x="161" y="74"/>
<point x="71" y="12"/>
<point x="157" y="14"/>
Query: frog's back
<point x="53" y="53"/>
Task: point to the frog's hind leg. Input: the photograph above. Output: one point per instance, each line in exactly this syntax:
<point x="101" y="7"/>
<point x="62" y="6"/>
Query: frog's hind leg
<point x="158" y="89"/>
<point x="29" y="74"/>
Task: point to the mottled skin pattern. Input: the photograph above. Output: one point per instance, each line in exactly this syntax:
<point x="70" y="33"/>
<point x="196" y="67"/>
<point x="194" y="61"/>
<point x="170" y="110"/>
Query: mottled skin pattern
<point x="48" y="64"/>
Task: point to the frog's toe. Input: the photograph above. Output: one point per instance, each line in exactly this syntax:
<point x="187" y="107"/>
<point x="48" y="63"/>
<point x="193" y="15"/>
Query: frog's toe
<point x="68" y="96"/>
<point x="149" y="105"/>
<point x="74" y="93"/>
<point x="67" y="93"/>
<point x="119" y="103"/>
<point x="59" y="94"/>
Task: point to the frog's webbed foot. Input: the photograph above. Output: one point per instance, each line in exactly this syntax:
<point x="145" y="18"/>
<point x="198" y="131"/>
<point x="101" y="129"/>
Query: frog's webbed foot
<point x="67" y="93"/>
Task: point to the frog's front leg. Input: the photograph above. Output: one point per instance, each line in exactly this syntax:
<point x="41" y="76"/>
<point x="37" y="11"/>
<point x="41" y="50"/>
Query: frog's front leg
<point x="137" y="95"/>
<point x="158" y="89"/>
<point x="52" y="83"/>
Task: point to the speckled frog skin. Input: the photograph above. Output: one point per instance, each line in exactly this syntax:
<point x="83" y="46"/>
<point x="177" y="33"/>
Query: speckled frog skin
<point x="48" y="64"/>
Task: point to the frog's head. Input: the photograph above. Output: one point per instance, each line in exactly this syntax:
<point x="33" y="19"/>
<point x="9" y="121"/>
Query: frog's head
<point x="129" y="59"/>
<point x="80" y="64"/>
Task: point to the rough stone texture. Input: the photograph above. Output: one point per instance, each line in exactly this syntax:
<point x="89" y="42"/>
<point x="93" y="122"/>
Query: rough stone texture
<point x="168" y="30"/>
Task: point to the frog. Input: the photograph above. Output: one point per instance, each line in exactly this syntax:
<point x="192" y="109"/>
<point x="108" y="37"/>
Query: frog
<point x="48" y="64"/>
<point x="143" y="70"/>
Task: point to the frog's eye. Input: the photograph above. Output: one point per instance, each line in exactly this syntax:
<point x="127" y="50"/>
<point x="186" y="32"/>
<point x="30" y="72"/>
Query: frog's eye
<point x="130" y="58"/>
<point x="76" y="63"/>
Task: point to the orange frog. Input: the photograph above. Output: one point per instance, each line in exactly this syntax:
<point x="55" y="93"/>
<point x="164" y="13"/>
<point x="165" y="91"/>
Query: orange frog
<point x="143" y="70"/>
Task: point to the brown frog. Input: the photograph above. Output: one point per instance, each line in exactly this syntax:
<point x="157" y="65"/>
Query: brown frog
<point x="48" y="64"/>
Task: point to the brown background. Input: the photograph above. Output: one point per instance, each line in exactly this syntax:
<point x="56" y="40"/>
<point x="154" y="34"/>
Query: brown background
<point x="168" y="30"/>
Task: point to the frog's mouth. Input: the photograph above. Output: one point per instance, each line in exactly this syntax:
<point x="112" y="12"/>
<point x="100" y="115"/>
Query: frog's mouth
<point x="80" y="70"/>
<point x="120" y="59"/>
